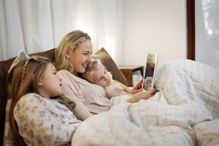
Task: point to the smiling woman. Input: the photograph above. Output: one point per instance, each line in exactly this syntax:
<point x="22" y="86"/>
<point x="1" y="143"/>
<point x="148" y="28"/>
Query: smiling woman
<point x="72" y="58"/>
<point x="74" y="52"/>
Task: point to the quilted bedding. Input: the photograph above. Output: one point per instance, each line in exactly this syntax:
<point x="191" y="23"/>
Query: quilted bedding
<point x="184" y="112"/>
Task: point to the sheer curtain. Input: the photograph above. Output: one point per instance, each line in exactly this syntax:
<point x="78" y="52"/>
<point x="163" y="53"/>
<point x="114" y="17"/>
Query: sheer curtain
<point x="38" y="25"/>
<point x="207" y="32"/>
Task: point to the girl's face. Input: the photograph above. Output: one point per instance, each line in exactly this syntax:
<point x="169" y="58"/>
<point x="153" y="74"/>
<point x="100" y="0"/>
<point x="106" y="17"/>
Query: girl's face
<point x="81" y="57"/>
<point x="102" y="77"/>
<point x="50" y="84"/>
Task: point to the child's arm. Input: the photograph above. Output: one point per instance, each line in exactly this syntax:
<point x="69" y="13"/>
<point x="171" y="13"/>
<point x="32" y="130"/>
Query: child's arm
<point x="142" y="95"/>
<point x="114" y="89"/>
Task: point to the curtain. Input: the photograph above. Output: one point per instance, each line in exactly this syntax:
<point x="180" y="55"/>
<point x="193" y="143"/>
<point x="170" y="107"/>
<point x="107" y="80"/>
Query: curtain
<point x="38" y="25"/>
<point x="207" y="32"/>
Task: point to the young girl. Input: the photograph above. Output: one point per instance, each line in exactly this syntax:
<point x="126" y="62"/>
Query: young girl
<point x="37" y="114"/>
<point x="96" y="73"/>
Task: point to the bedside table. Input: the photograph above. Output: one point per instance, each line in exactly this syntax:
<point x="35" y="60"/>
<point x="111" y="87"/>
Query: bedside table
<point x="128" y="71"/>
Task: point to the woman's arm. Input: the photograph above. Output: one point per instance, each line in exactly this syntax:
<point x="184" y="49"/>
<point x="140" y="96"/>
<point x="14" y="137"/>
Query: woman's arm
<point x="144" y="94"/>
<point x="137" y="88"/>
<point x="137" y="92"/>
<point x="81" y="111"/>
<point x="72" y="90"/>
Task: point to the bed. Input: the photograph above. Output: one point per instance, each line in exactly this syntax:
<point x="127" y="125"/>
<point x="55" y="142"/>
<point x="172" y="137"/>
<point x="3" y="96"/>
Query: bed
<point x="184" y="112"/>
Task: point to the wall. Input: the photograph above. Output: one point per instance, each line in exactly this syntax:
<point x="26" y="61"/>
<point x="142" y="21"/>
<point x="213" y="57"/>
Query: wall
<point x="153" y="26"/>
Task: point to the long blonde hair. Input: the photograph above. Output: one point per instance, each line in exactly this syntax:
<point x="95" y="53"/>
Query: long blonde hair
<point x="23" y="79"/>
<point x="70" y="41"/>
<point x="95" y="64"/>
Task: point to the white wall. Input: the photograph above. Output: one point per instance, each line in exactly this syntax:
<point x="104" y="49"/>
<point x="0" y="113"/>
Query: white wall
<point x="153" y="26"/>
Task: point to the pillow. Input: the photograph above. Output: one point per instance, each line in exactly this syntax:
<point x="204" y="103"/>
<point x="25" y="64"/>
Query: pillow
<point x="23" y="55"/>
<point x="110" y="65"/>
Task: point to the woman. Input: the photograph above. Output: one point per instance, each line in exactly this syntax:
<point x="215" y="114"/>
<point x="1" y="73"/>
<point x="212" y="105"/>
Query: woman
<point x="36" y="114"/>
<point x="72" y="57"/>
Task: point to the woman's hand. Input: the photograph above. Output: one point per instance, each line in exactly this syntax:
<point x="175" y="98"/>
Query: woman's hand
<point x="144" y="94"/>
<point x="149" y="93"/>
<point x="138" y="87"/>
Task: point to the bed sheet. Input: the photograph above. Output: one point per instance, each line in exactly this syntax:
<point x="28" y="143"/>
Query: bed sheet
<point x="183" y="112"/>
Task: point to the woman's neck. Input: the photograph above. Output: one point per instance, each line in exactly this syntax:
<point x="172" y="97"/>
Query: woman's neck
<point x="75" y="73"/>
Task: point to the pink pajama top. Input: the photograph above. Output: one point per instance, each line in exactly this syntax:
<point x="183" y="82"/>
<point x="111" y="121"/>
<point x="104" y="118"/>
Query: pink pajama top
<point x="83" y="92"/>
<point x="44" y="122"/>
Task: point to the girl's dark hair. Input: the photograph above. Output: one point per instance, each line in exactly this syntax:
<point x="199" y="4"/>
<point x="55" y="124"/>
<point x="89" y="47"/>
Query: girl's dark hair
<point x="92" y="66"/>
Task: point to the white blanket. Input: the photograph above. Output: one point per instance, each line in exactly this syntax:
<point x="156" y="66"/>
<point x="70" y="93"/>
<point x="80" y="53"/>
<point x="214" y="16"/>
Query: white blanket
<point x="184" y="111"/>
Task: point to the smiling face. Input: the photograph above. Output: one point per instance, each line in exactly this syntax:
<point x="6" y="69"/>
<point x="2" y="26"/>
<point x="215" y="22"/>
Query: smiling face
<point x="80" y="57"/>
<point x="50" y="83"/>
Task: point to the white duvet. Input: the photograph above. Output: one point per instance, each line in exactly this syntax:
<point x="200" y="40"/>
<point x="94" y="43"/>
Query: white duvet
<point x="185" y="112"/>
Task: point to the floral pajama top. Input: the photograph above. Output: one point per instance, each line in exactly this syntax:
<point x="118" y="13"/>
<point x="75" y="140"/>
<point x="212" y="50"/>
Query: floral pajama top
<point x="44" y="122"/>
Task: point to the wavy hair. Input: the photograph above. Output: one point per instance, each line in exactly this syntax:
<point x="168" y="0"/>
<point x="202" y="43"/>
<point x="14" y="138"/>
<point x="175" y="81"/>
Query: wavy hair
<point x="70" y="41"/>
<point x="95" y="64"/>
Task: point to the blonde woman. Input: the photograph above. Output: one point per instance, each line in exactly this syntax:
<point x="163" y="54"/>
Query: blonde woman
<point x="72" y="57"/>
